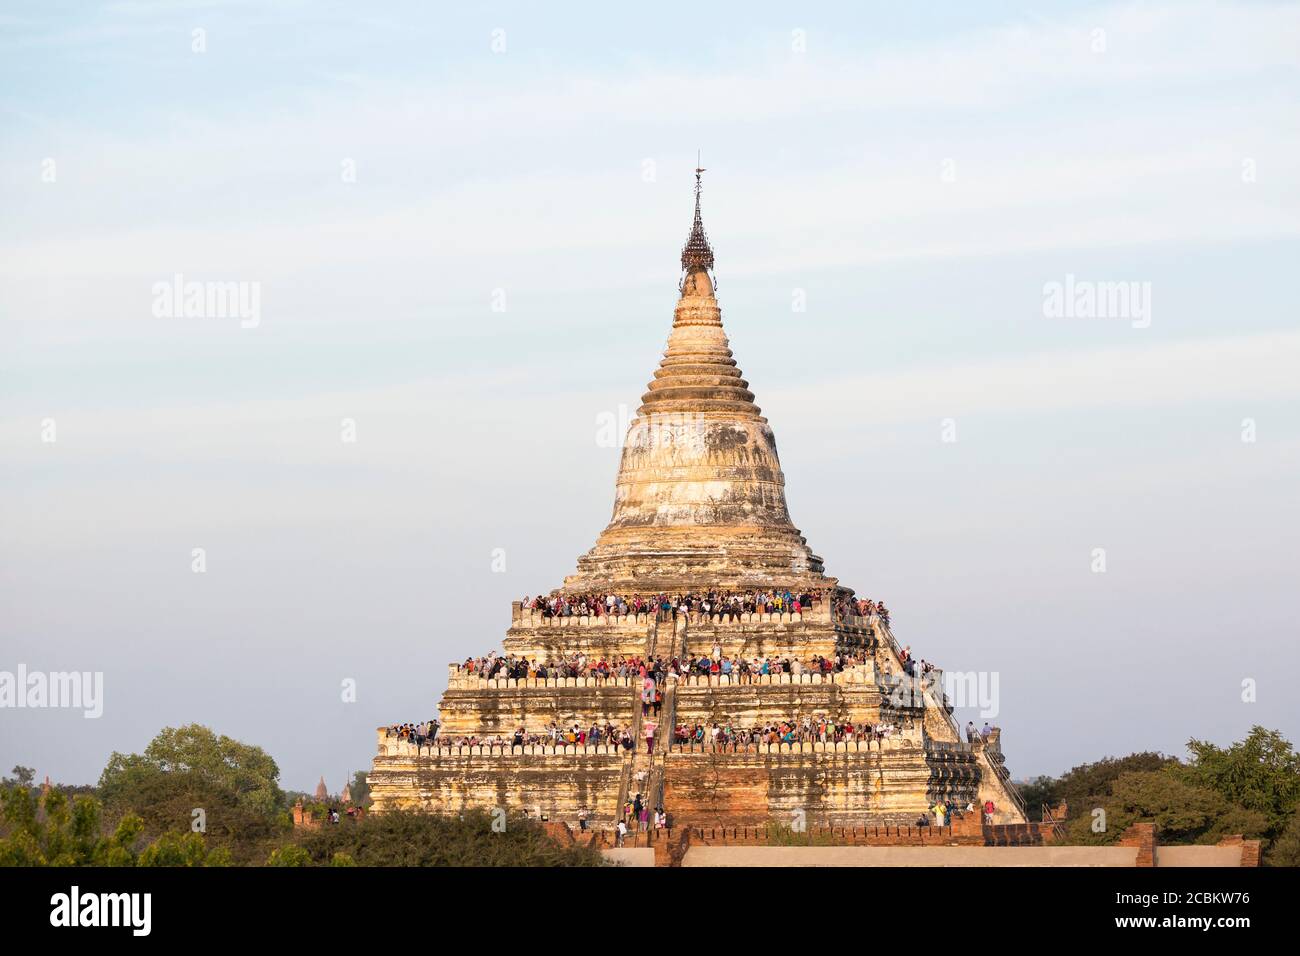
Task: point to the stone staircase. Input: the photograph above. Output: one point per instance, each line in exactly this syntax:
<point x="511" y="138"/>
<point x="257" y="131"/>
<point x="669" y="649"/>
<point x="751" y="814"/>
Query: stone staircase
<point x="663" y="742"/>
<point x="643" y="771"/>
<point x="996" y="779"/>
<point x="630" y="758"/>
<point x="666" y="637"/>
<point x="999" y="779"/>
<point x="669" y="642"/>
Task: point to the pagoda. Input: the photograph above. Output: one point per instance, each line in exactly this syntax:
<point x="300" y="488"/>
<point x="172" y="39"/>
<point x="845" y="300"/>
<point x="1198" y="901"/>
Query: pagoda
<point x="699" y="516"/>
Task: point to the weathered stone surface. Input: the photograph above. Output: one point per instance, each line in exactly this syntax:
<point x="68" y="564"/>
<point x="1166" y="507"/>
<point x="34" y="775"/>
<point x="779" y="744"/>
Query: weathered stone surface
<point x="754" y="705"/>
<point x="831" y="788"/>
<point x="500" y="710"/>
<point x="546" y="784"/>
<point x="700" y="496"/>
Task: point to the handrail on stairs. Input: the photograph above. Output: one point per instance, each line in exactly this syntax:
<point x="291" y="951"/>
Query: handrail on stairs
<point x="1004" y="776"/>
<point x="1048" y="817"/>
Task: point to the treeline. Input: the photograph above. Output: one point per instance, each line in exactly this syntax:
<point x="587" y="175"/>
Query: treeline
<point x="1251" y="787"/>
<point x="195" y="798"/>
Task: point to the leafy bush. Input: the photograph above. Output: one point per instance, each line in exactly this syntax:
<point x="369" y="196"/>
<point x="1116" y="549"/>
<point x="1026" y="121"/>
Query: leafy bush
<point x="1285" y="851"/>
<point x="289" y="855"/>
<point x="1183" y="813"/>
<point x="192" y="768"/>
<point x="1261" y="773"/>
<point x="197" y="753"/>
<point x="70" y="833"/>
<point x="425" y="839"/>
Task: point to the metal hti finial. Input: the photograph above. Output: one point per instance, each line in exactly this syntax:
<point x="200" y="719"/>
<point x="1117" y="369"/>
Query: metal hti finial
<point x="697" y="253"/>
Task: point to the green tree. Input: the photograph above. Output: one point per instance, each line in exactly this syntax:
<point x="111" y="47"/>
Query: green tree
<point x="183" y="849"/>
<point x="22" y="777"/>
<point x="1285" y="850"/>
<point x="360" y="788"/>
<point x="1088" y="785"/>
<point x="56" y="831"/>
<point x="289" y="855"/>
<point x="1261" y="773"/>
<point x="166" y="802"/>
<point x="1037" y="792"/>
<point x="1184" y="813"/>
<point x="233" y="784"/>
<point x="425" y="839"/>
<point x="248" y="772"/>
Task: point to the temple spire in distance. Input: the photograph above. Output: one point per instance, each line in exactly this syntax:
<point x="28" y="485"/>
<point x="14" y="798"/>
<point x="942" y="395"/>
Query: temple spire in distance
<point x="697" y="253"/>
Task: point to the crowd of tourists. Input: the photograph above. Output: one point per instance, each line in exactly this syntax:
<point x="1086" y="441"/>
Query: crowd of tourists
<point x="809" y="729"/>
<point x="716" y="604"/>
<point x="418" y="734"/>
<point x="864" y="608"/>
<point x="812" y="729"/>
<point x="944" y="812"/>
<point x="712" y="664"/>
<point x="636" y="813"/>
<point x="552" y="735"/>
<point x="747" y="669"/>
<point x="911" y="666"/>
<point x="579" y="665"/>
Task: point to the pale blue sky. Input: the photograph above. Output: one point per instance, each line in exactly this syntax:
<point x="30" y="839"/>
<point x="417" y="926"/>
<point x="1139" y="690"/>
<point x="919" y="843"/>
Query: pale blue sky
<point x="525" y="170"/>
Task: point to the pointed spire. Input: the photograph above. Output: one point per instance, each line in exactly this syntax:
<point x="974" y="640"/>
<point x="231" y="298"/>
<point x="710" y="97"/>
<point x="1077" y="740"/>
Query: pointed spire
<point x="699" y="501"/>
<point x="697" y="253"/>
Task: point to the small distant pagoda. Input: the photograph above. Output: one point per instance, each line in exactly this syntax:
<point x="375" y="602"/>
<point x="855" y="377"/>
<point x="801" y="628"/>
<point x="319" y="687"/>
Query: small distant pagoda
<point x="699" y="509"/>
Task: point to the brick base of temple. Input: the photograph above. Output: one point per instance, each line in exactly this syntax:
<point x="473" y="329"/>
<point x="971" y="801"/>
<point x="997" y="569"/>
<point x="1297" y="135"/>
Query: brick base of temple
<point x="888" y="784"/>
<point x="1030" y="844"/>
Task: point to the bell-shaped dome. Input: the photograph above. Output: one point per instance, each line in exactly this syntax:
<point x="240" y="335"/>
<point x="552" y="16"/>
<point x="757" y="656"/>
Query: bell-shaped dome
<point x="700" y="497"/>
